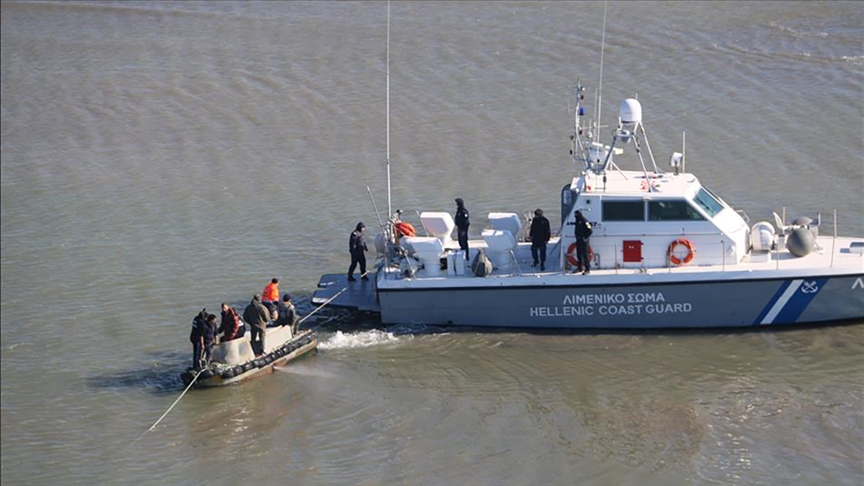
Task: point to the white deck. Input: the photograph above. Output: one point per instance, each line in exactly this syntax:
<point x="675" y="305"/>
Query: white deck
<point x="779" y="265"/>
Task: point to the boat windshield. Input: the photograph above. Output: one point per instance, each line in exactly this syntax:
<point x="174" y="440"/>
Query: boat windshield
<point x="708" y="202"/>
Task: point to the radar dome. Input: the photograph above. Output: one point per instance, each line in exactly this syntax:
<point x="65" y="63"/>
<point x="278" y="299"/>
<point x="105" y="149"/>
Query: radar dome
<point x="762" y="236"/>
<point x="800" y="242"/>
<point x="631" y="111"/>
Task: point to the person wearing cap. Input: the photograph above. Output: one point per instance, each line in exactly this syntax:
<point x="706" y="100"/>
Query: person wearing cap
<point x="357" y="248"/>
<point x="257" y="316"/>
<point x="287" y="313"/>
<point x="583" y="233"/>
<point x="462" y="223"/>
<point x="540" y="234"/>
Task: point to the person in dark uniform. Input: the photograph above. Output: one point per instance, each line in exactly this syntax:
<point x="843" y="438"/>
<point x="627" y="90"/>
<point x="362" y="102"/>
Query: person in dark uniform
<point x="583" y="234"/>
<point x="357" y="248"/>
<point x="208" y="335"/>
<point x="196" y="337"/>
<point x="462" y="223"/>
<point x="540" y="234"/>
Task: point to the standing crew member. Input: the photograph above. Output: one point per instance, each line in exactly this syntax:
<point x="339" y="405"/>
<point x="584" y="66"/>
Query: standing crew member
<point x="583" y="233"/>
<point x="257" y="316"/>
<point x="196" y="337"/>
<point x="357" y="248"/>
<point x="462" y="224"/>
<point x="208" y="335"/>
<point x="540" y="234"/>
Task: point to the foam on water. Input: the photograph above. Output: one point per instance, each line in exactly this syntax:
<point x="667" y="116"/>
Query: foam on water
<point x="364" y="339"/>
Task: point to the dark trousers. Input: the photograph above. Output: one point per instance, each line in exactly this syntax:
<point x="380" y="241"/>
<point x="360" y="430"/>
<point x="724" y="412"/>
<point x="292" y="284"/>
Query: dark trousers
<point x="200" y="354"/>
<point x="538" y="250"/>
<point x="197" y="354"/>
<point x="582" y="254"/>
<point x="256" y="337"/>
<point x="462" y="236"/>
<point x="355" y="259"/>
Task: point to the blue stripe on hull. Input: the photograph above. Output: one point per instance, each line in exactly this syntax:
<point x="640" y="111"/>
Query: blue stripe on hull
<point x="772" y="303"/>
<point x="799" y="302"/>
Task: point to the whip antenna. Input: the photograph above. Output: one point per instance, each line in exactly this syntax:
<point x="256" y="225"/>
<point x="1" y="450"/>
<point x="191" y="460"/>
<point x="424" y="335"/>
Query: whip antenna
<point x="600" y="83"/>
<point x="389" y="206"/>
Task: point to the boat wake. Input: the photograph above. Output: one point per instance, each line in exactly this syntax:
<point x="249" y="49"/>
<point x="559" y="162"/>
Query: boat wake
<point x="363" y="339"/>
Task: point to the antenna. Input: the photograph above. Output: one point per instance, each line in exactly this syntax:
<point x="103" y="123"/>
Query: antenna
<point x="600" y="83"/>
<point x="389" y="206"/>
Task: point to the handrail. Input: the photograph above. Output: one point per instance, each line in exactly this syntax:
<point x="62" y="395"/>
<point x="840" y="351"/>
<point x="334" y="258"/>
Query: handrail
<point x="514" y="262"/>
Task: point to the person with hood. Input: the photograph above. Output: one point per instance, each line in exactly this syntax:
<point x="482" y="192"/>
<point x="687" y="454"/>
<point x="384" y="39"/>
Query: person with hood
<point x="583" y="233"/>
<point x="257" y="315"/>
<point x="462" y="223"/>
<point x="540" y="234"/>
<point x="357" y="248"/>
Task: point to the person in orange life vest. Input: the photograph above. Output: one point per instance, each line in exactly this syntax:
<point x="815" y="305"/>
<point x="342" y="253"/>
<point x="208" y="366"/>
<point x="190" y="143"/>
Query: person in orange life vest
<point x="270" y="296"/>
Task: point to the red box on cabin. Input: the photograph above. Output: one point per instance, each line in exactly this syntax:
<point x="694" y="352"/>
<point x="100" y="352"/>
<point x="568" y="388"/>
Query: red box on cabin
<point x="632" y="251"/>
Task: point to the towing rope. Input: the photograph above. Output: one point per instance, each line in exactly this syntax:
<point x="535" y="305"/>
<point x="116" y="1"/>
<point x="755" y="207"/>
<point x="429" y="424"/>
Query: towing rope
<point x="173" y="404"/>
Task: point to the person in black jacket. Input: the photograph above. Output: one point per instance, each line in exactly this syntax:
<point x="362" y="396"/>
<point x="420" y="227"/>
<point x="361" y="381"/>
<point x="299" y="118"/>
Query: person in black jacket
<point x="462" y="224"/>
<point x="357" y="248"/>
<point x="203" y="336"/>
<point x="196" y="337"/>
<point x="540" y="234"/>
<point x="583" y="233"/>
<point x="287" y="313"/>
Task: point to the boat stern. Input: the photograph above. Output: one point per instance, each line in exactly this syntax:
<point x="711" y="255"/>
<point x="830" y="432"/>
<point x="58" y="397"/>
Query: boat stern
<point x="335" y="290"/>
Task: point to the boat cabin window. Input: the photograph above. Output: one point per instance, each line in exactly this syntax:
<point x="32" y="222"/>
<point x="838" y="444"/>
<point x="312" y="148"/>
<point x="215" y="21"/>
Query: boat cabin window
<point x="623" y="210"/>
<point x="672" y="210"/>
<point x="708" y="202"/>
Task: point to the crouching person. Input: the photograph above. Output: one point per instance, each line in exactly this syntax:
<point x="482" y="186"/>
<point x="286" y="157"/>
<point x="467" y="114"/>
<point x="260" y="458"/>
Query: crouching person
<point x="230" y="327"/>
<point x="287" y="314"/>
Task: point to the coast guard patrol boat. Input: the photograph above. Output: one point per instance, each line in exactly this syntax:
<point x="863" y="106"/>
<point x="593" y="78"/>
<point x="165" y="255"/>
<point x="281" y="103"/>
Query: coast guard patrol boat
<point x="666" y="252"/>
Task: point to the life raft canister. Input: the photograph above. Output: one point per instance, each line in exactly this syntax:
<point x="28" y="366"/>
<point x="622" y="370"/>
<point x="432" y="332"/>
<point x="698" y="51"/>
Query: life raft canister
<point x="404" y="229"/>
<point x="572" y="257"/>
<point x="674" y="257"/>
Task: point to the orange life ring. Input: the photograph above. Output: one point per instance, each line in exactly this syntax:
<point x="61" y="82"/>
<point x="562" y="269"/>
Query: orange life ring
<point x="675" y="259"/>
<point x="572" y="257"/>
<point x="405" y="229"/>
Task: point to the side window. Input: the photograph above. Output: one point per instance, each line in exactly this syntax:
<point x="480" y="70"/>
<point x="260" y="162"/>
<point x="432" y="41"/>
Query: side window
<point x="707" y="201"/>
<point x="677" y="210"/>
<point x="623" y="211"/>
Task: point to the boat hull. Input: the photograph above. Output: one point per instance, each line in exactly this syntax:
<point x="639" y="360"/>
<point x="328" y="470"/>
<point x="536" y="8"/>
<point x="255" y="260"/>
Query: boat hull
<point x="305" y="343"/>
<point x="654" y="305"/>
